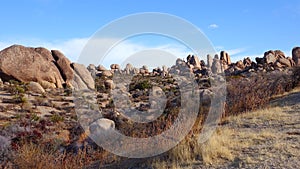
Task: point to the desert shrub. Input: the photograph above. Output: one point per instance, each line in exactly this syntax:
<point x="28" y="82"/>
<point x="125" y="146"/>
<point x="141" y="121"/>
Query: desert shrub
<point x="255" y="91"/>
<point x="141" y="85"/>
<point x="99" y="84"/>
<point x="34" y="117"/>
<point x="56" y="118"/>
<point x="39" y="157"/>
<point x="16" y="87"/>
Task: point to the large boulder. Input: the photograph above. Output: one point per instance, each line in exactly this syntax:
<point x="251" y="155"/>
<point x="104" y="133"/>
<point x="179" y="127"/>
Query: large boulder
<point x="64" y="66"/>
<point x="29" y="64"/>
<point x="225" y="57"/>
<point x="247" y="62"/>
<point x="35" y="87"/>
<point x="279" y="54"/>
<point x="109" y="84"/>
<point x="260" y="61"/>
<point x="296" y="55"/>
<point x="82" y="77"/>
<point x="209" y="61"/>
<point x="194" y="60"/>
<point x="216" y="66"/>
<point x="101" y="125"/>
<point x="45" y="53"/>
<point x="240" y="64"/>
<point x="270" y="57"/>
<point x="128" y="69"/>
<point x="49" y="69"/>
<point x="284" y="61"/>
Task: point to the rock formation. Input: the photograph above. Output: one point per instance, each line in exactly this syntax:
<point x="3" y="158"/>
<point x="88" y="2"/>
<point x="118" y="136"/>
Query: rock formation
<point x="225" y="57"/>
<point x="49" y="69"/>
<point x="63" y="64"/>
<point x="25" y="64"/>
<point x="83" y="77"/>
<point x="296" y="55"/>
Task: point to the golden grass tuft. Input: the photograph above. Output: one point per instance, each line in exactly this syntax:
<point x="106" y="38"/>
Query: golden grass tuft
<point x="35" y="156"/>
<point x="214" y="151"/>
<point x="218" y="147"/>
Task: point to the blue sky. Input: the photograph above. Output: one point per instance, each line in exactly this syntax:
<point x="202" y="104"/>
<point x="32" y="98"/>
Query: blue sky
<point x="244" y="28"/>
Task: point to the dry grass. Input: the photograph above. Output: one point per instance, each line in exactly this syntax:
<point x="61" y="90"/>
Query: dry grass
<point x="34" y="156"/>
<point x="295" y="90"/>
<point x="214" y="151"/>
<point x="218" y="147"/>
<point x="274" y="114"/>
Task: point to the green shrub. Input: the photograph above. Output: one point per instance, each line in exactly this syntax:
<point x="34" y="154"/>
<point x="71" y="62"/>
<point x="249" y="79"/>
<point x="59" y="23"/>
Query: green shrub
<point x="34" y="117"/>
<point x="57" y="118"/>
<point x="142" y="85"/>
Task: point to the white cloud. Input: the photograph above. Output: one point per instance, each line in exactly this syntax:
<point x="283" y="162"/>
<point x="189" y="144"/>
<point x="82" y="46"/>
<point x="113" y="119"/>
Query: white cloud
<point x="219" y="48"/>
<point x="231" y="52"/>
<point x="213" y="26"/>
<point x="235" y="51"/>
<point x="72" y="48"/>
<point x="123" y="52"/>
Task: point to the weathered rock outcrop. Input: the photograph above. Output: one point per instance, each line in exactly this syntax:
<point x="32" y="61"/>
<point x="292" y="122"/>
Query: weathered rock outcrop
<point x="82" y="77"/>
<point x="26" y="64"/>
<point x="216" y="66"/>
<point x="194" y="60"/>
<point x="209" y="61"/>
<point x="296" y="55"/>
<point x="225" y="57"/>
<point x="64" y="66"/>
<point x="49" y="69"/>
<point x="36" y="87"/>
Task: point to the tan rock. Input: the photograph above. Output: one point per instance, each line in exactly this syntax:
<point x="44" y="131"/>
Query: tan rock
<point x="115" y="66"/>
<point x="26" y="64"/>
<point x="36" y="87"/>
<point x="101" y="68"/>
<point x="194" y="60"/>
<point x="82" y="75"/>
<point x="270" y="57"/>
<point x="285" y="62"/>
<point x="216" y="66"/>
<point x="64" y="65"/>
<point x="296" y="55"/>
<point x="107" y="73"/>
<point x="240" y="64"/>
<point x="209" y="61"/>
<point x="101" y="125"/>
<point x="226" y="57"/>
<point x="109" y="84"/>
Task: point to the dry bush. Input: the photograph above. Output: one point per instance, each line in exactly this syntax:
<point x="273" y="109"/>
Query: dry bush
<point x="253" y="92"/>
<point x="36" y="156"/>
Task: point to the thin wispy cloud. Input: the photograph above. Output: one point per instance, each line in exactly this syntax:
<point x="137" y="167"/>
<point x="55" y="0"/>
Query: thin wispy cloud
<point x="231" y="52"/>
<point x="213" y="26"/>
<point x="236" y="51"/>
<point x="72" y="49"/>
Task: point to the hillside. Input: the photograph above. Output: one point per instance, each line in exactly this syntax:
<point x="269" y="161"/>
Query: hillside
<point x="52" y="111"/>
